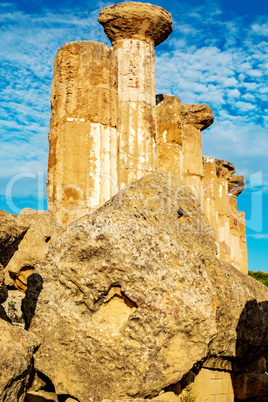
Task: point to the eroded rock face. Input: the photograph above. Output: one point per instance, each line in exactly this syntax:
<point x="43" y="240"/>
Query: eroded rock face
<point x="133" y="296"/>
<point x="16" y="351"/>
<point x="32" y="248"/>
<point x="12" y="231"/>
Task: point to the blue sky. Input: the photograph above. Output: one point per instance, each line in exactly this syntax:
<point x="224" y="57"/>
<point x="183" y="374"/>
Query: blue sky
<point x="217" y="54"/>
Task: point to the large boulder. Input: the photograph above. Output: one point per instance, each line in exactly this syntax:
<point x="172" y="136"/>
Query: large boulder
<point x="32" y="248"/>
<point x="16" y="356"/>
<point x="16" y="345"/>
<point x="133" y="295"/>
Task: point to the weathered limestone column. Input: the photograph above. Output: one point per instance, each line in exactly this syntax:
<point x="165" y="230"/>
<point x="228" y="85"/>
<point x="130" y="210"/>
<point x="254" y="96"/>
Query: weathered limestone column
<point x="179" y="142"/>
<point x="169" y="137"/>
<point x="134" y="30"/>
<point x="195" y="118"/>
<point x="221" y="187"/>
<point x="82" y="166"/>
<point x="236" y="185"/>
<point x="216" y="175"/>
<point x="210" y="194"/>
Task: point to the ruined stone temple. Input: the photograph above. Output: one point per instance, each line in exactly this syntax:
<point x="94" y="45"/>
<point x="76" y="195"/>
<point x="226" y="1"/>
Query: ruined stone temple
<point x="108" y="128"/>
<point x="133" y="286"/>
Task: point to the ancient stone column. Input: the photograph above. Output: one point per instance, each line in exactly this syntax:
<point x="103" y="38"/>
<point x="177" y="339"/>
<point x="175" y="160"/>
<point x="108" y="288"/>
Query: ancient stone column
<point x="210" y="193"/>
<point x="179" y="142"/>
<point x="216" y="175"/>
<point x="169" y="137"/>
<point x="221" y="187"/>
<point x="82" y="166"/>
<point x="134" y="30"/>
<point x="239" y="256"/>
<point x="195" y="118"/>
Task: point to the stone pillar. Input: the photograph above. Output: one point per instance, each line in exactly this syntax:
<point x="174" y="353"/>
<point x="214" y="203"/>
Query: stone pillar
<point x="134" y="30"/>
<point x="169" y="137"/>
<point x="82" y="166"/>
<point x="195" y="118"/>
<point x="239" y="256"/>
<point x="221" y="187"/>
<point x="210" y="193"/>
<point x="216" y="175"/>
<point x="179" y="143"/>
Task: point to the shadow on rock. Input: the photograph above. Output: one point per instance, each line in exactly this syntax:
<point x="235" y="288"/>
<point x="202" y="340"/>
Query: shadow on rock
<point x="250" y="380"/>
<point x="3" y="296"/>
<point x="3" y="315"/>
<point x="252" y="329"/>
<point x="28" y="305"/>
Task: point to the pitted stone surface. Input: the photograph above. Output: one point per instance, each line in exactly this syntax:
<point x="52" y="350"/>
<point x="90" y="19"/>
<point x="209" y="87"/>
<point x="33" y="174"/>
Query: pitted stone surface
<point x="32" y="248"/>
<point x="16" y="359"/>
<point x="133" y="296"/>
<point x="12" y="231"/>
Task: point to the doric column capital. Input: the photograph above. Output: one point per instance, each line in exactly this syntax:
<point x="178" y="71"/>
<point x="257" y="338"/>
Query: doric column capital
<point x="199" y="116"/>
<point x="224" y="168"/>
<point x="236" y="185"/>
<point x="139" y="21"/>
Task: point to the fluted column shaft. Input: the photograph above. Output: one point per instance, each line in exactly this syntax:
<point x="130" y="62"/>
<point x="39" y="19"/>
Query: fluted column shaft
<point x="221" y="187"/>
<point x="82" y="166"/>
<point x="169" y="145"/>
<point x="136" y="123"/>
<point x="179" y="143"/>
<point x="134" y="30"/>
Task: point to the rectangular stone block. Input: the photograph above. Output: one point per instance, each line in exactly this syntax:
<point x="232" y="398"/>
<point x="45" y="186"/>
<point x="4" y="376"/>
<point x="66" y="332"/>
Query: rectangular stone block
<point x="211" y="398"/>
<point x="224" y="386"/>
<point x="215" y="387"/>
<point x="224" y="398"/>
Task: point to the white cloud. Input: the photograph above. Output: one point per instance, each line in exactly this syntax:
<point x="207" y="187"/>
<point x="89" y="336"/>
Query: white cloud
<point x="228" y="72"/>
<point x="254" y="73"/>
<point x="244" y="106"/>
<point x="234" y="93"/>
<point x="260" y="29"/>
<point x="248" y="97"/>
<point x="200" y="63"/>
<point x="26" y="68"/>
<point x="258" y="236"/>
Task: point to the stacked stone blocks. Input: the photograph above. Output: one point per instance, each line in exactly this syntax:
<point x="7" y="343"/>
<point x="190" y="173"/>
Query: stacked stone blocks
<point x="109" y="129"/>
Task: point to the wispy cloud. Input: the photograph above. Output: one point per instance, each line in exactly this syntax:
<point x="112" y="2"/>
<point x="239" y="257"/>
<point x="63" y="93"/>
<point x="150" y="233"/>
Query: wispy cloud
<point x="223" y="63"/>
<point x="29" y="43"/>
<point x="209" y="58"/>
<point x="258" y="236"/>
